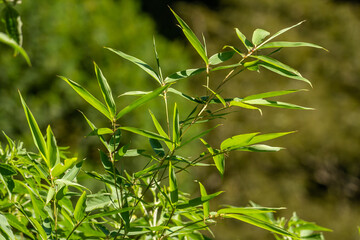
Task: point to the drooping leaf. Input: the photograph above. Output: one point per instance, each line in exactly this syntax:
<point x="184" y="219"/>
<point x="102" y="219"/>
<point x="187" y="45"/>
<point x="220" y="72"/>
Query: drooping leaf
<point x="161" y="130"/>
<point x="105" y="90"/>
<point x="146" y="133"/>
<point x="134" y="93"/>
<point x="12" y="43"/>
<point x="79" y="212"/>
<point x="183" y="74"/>
<point x="258" y="36"/>
<point x="35" y="130"/>
<point x="266" y="137"/>
<point x="268" y="103"/>
<point x="88" y="97"/>
<point x="206" y="205"/>
<point x="262" y="224"/>
<point x="139" y="63"/>
<point x="283" y="72"/>
<point x="173" y="187"/>
<point x="221" y="57"/>
<point x="189" y="34"/>
<point x="140" y="101"/>
<point x="219" y="158"/>
<point x="289" y="45"/>
<point x="244" y="105"/>
<point x="243" y="39"/>
<point x="13" y="23"/>
<point x="183" y="95"/>
<point x="276" y="63"/>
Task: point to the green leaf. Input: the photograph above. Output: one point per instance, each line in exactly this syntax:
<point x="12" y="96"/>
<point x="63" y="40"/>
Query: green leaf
<point x="79" y="212"/>
<point x="146" y="133"/>
<point x="219" y="159"/>
<point x="108" y="213"/>
<point x="140" y="101"/>
<point x="247" y="210"/>
<point x="187" y="97"/>
<point x="106" y="91"/>
<point x="268" y="103"/>
<point x="267" y="137"/>
<point x="173" y="187"/>
<point x="289" y="44"/>
<point x="276" y="63"/>
<point x="35" y="131"/>
<point x="100" y="200"/>
<point x="206" y="205"/>
<point x="53" y="154"/>
<point x="283" y="72"/>
<point x="7" y="170"/>
<point x="60" y="168"/>
<point x="261" y="224"/>
<point x="157" y="147"/>
<point x="88" y="97"/>
<point x="50" y="195"/>
<point x="15" y="223"/>
<point x="243" y="39"/>
<point x="260" y="148"/>
<point x="134" y="93"/>
<point x="279" y="33"/>
<point x="176" y="126"/>
<point x="221" y="57"/>
<point x="244" y="105"/>
<point x="183" y="74"/>
<point x="199" y="135"/>
<point x="161" y="130"/>
<point x="197" y="201"/>
<point x="5" y="228"/>
<point x="218" y="96"/>
<point x="101" y="131"/>
<point x="258" y="36"/>
<point x="73" y="172"/>
<point x="12" y="43"/>
<point x="39" y="229"/>
<point x="93" y="127"/>
<point x="189" y="34"/>
<point x="139" y="63"/>
<point x="237" y="141"/>
<point x="271" y="94"/>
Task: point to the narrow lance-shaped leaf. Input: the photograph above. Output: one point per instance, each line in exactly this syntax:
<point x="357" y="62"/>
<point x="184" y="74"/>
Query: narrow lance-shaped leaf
<point x="284" y="44"/>
<point x="145" y="133"/>
<point x="161" y="130"/>
<point x="53" y="154"/>
<point x="221" y="57"/>
<point x="79" y="212"/>
<point x="278" y="104"/>
<point x="157" y="60"/>
<point x="176" y="126"/>
<point x="219" y="159"/>
<point x="244" y="40"/>
<point x="139" y="63"/>
<point x="197" y="201"/>
<point x="93" y="127"/>
<point x="271" y="94"/>
<point x="259" y="35"/>
<point x="140" y="101"/>
<point x="206" y="205"/>
<point x="5" y="228"/>
<point x="88" y="97"/>
<point x="189" y="34"/>
<point x="237" y="141"/>
<point x="173" y="187"/>
<point x="276" y="63"/>
<point x="267" y="137"/>
<point x="61" y="168"/>
<point x="105" y="90"/>
<point x="183" y="74"/>
<point x="35" y="131"/>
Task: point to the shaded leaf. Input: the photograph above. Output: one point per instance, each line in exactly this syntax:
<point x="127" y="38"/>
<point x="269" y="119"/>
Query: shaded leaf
<point x="12" y="43"/>
<point x="221" y="57"/>
<point x="145" y="133"/>
<point x="5" y="227"/>
<point x="176" y="126"/>
<point x="183" y="74"/>
<point x="157" y="147"/>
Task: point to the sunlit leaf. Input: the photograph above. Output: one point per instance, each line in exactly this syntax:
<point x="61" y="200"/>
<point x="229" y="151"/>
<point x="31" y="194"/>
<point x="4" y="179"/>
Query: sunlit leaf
<point x="197" y="201"/>
<point x="61" y="168"/>
<point x="289" y="44"/>
<point x="268" y="103"/>
<point x="248" y="210"/>
<point x="161" y="130"/>
<point x="192" y="38"/>
<point x="237" y="141"/>
<point x="219" y="158"/>
<point x="53" y="154"/>
<point x="15" y="223"/>
<point x="145" y="133"/>
<point x="271" y="94"/>
<point x="5" y="228"/>
<point x="79" y="212"/>
<point x="173" y="187"/>
<point x="276" y="63"/>
<point x="221" y="57"/>
<point x="139" y="63"/>
<point x="12" y="43"/>
<point x="243" y="39"/>
<point x="176" y="126"/>
<point x="206" y="205"/>
<point x="258" y="36"/>
<point x="183" y="74"/>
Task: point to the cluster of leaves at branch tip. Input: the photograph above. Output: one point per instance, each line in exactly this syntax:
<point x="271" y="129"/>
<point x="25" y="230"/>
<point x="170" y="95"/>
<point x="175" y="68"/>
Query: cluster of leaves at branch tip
<point x="42" y="199"/>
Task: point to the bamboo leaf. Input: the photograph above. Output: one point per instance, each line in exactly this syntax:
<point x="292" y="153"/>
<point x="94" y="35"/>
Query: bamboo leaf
<point x="79" y="212"/>
<point x="60" y="168"/>
<point x="243" y="39"/>
<point x="258" y="36"/>
<point x="183" y="74"/>
<point x="260" y="148"/>
<point x="144" y="66"/>
<point x="140" y="101"/>
<point x="271" y="94"/>
<point x="15" y="223"/>
<point x="108" y="213"/>
<point x="219" y="159"/>
<point x="267" y="137"/>
<point x="93" y="127"/>
<point x="206" y="205"/>
<point x="53" y="154"/>
<point x="176" y="126"/>
<point x="146" y="133"/>
<point x="39" y="229"/>
<point x="244" y="105"/>
<point x="161" y="130"/>
<point x="105" y="90"/>
<point x="88" y="97"/>
<point x="197" y="201"/>
<point x="199" y="135"/>
<point x="278" y="104"/>
<point x="284" y="44"/>
<point x="247" y="210"/>
<point x="5" y="228"/>
<point x="189" y="34"/>
<point x="262" y="224"/>
<point x="237" y="141"/>
<point x="12" y="43"/>
<point x="157" y="147"/>
<point x="173" y="187"/>
<point x="218" y="96"/>
<point x="276" y="63"/>
<point x="35" y="131"/>
<point x="221" y="57"/>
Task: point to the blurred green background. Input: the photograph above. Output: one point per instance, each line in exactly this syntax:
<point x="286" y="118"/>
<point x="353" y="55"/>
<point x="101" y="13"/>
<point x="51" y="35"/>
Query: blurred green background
<point x="318" y="175"/>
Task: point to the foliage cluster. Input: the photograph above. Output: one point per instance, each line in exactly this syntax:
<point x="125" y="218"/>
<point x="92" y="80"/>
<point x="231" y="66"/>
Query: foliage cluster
<point x="42" y="199"/>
